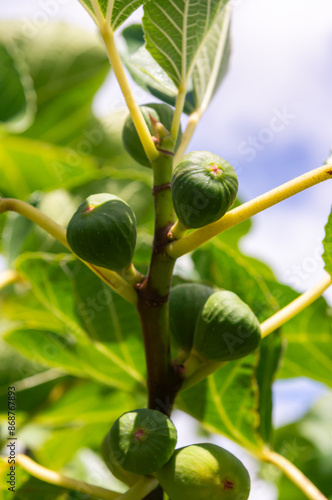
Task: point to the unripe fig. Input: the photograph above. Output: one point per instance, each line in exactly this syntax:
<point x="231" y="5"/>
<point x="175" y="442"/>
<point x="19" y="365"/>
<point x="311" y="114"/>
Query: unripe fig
<point x="103" y="232"/>
<point x="226" y="328"/>
<point x="110" y="460"/>
<point x="185" y="303"/>
<point x="142" y="441"/>
<point x="160" y="113"/>
<point x="204" y="472"/>
<point x="204" y="187"/>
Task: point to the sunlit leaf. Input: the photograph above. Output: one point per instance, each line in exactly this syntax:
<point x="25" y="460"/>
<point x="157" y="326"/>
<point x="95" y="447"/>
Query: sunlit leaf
<point x="115" y="11"/>
<point x="176" y="31"/>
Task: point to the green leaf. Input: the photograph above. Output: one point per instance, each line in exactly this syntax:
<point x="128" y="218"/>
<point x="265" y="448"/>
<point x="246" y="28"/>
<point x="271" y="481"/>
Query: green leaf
<point x="18" y="108"/>
<point x="228" y="268"/>
<point x="226" y="403"/>
<point x="175" y="33"/>
<point x="306" y="444"/>
<point x="327" y="242"/>
<point x="67" y="66"/>
<point x="90" y="332"/>
<point x="270" y="355"/>
<point x="115" y="11"/>
<point x="28" y="165"/>
<point x="147" y="73"/>
<point x="212" y="61"/>
<point x="308" y="351"/>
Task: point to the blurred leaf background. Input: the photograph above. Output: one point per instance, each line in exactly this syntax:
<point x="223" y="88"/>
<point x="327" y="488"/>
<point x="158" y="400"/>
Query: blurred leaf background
<point x="71" y="347"/>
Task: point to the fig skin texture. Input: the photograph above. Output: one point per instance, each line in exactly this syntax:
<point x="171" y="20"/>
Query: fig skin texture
<point x="185" y="304"/>
<point x="142" y="441"/>
<point x="226" y="329"/>
<point x="110" y="460"/>
<point x="161" y="113"/>
<point x="204" y="187"/>
<point x="204" y="472"/>
<point x="103" y="232"/>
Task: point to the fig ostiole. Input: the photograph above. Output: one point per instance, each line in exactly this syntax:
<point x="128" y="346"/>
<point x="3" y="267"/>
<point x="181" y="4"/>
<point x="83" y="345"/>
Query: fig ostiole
<point x="185" y="303"/>
<point x="204" y="187"/>
<point x="142" y="441"/>
<point x="158" y="117"/>
<point x="204" y="472"/>
<point x="226" y="328"/>
<point x="103" y="232"/>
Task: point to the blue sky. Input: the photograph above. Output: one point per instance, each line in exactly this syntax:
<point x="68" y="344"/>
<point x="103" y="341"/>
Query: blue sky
<point x="272" y="118"/>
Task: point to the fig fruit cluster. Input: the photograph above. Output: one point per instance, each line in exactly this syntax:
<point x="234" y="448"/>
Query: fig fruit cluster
<point x="142" y="442"/>
<point x="103" y="232"/>
<point x="217" y="325"/>
<point x="204" y="187"/>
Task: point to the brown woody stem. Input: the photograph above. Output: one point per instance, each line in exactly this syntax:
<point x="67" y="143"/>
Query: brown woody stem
<point x="164" y="380"/>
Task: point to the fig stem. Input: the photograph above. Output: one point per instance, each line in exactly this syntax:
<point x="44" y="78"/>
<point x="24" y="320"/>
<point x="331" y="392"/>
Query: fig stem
<point x="107" y="34"/>
<point x="293" y="473"/>
<point x="57" y="479"/>
<point x="298" y="305"/>
<point x="163" y="379"/>
<point x="178" y="230"/>
<point x="239" y="214"/>
<point x="179" y="105"/>
<point x="112" y="279"/>
<point x="187" y="135"/>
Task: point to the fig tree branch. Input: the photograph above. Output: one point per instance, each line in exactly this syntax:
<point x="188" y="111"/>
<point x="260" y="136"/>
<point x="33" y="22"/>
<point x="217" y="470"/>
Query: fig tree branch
<point x="298" y="305"/>
<point x="117" y="66"/>
<point x="116" y="282"/>
<point x="293" y="473"/>
<point x="239" y="214"/>
<point x="268" y="326"/>
<point x="57" y="479"/>
<point x="143" y="487"/>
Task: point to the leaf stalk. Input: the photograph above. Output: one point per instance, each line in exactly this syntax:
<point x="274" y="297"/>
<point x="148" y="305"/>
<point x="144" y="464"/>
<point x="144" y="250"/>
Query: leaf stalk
<point x="239" y="214"/>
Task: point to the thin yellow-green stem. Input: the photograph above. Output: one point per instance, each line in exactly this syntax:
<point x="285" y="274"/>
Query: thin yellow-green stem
<point x="57" y="479"/>
<point x="247" y="210"/>
<point x="134" y="109"/>
<point x="8" y="277"/>
<point x="293" y="473"/>
<point x="268" y="326"/>
<point x="97" y="11"/>
<point x="180" y="100"/>
<point x="118" y="284"/>
<point x="187" y="135"/>
<point x="295" y="307"/>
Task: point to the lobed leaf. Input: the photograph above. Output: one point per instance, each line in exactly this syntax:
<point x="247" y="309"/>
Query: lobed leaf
<point x="114" y="11"/>
<point x="17" y="110"/>
<point x="90" y="332"/>
<point x="175" y="33"/>
<point x="226" y="403"/>
<point x="327" y="242"/>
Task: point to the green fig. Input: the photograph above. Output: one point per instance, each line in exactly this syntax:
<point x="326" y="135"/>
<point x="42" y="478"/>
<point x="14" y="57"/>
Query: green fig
<point x="204" y="472"/>
<point x="103" y="232"/>
<point x="204" y="187"/>
<point x="157" y="112"/>
<point x="185" y="303"/>
<point x="226" y="328"/>
<point x="142" y="441"/>
<point x="110" y="460"/>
